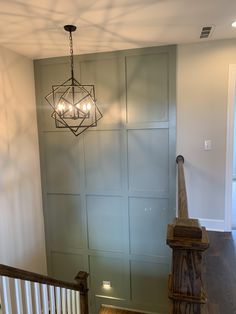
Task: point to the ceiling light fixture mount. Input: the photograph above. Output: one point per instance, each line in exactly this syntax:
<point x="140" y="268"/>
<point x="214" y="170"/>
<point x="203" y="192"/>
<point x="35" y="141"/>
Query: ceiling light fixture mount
<point x="74" y="104"/>
<point x="70" y="28"/>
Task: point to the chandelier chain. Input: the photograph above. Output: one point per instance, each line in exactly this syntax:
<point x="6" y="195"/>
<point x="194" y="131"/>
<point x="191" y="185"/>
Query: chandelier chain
<point x="71" y="55"/>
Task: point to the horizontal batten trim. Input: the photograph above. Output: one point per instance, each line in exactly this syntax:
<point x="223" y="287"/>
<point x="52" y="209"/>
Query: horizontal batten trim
<point x="150" y="125"/>
<point x="118" y="127"/>
<point x="158" y="259"/>
<point x="152" y="194"/>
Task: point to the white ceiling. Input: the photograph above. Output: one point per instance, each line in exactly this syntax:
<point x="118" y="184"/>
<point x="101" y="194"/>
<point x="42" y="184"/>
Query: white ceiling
<point x="34" y="28"/>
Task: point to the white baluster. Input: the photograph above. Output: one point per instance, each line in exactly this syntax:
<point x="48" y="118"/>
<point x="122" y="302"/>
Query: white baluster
<point x="37" y="298"/>
<point x="68" y="298"/>
<point x="63" y="299"/>
<point x="45" y="298"/>
<point x="52" y="299"/>
<point x="58" y="300"/>
<point x="28" y="297"/>
<point x="5" y="295"/>
<point x="73" y="301"/>
<point x="77" y="301"/>
<point x="18" y="296"/>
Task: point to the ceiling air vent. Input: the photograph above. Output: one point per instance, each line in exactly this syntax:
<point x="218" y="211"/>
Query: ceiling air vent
<point x="206" y="31"/>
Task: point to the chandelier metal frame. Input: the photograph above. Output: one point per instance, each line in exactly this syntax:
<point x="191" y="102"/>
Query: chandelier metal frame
<point x="74" y="104"/>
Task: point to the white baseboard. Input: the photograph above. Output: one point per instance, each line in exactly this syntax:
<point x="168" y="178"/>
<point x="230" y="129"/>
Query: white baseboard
<point x="213" y="224"/>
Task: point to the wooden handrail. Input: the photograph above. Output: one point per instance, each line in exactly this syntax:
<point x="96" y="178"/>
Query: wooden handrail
<point x="80" y="285"/>
<point x="17" y="273"/>
<point x="188" y="240"/>
<point x="182" y="194"/>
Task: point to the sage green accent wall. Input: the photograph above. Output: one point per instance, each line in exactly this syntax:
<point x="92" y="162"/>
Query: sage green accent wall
<point x="109" y="194"/>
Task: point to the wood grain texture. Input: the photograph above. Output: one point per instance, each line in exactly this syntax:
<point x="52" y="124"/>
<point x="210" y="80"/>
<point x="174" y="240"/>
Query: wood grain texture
<point x="186" y="308"/>
<point x="13" y="272"/>
<point x="182" y="194"/>
<point x="187" y="270"/>
<point x="188" y="241"/>
<point x="185" y="284"/>
<point x="82" y="283"/>
<point x="188" y="228"/>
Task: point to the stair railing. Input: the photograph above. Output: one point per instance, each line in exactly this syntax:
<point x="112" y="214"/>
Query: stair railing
<point x="24" y="292"/>
<point x="188" y="241"/>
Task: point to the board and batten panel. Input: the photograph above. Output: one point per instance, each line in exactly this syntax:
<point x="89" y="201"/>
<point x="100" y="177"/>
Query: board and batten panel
<point x="147" y="92"/>
<point x="66" y="222"/>
<point x="103" y="167"/>
<point x="148" y="221"/>
<point x="109" y="193"/>
<point x="105" y="215"/>
<point x="148" y="161"/>
<point x="62" y="163"/>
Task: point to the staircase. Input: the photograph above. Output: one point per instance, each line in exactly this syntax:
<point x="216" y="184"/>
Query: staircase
<point x="23" y="292"/>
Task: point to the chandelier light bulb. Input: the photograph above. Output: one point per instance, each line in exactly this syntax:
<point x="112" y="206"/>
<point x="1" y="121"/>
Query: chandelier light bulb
<point x="61" y="107"/>
<point x="88" y="106"/>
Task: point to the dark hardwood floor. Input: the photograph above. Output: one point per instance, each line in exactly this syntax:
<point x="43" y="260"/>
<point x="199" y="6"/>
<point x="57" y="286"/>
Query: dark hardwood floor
<point x="220" y="273"/>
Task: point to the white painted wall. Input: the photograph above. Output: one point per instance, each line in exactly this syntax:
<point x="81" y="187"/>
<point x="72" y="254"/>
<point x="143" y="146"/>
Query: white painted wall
<point x="234" y="157"/>
<point x="202" y="92"/>
<point x="22" y="241"/>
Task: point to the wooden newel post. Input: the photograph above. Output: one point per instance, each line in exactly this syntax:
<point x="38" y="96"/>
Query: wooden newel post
<point x="81" y="280"/>
<point x="185" y="283"/>
<point x="188" y="241"/>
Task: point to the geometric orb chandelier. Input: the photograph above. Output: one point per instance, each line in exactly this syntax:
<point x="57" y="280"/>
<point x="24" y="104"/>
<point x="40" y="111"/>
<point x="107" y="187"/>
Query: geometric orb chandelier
<point x="74" y="104"/>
